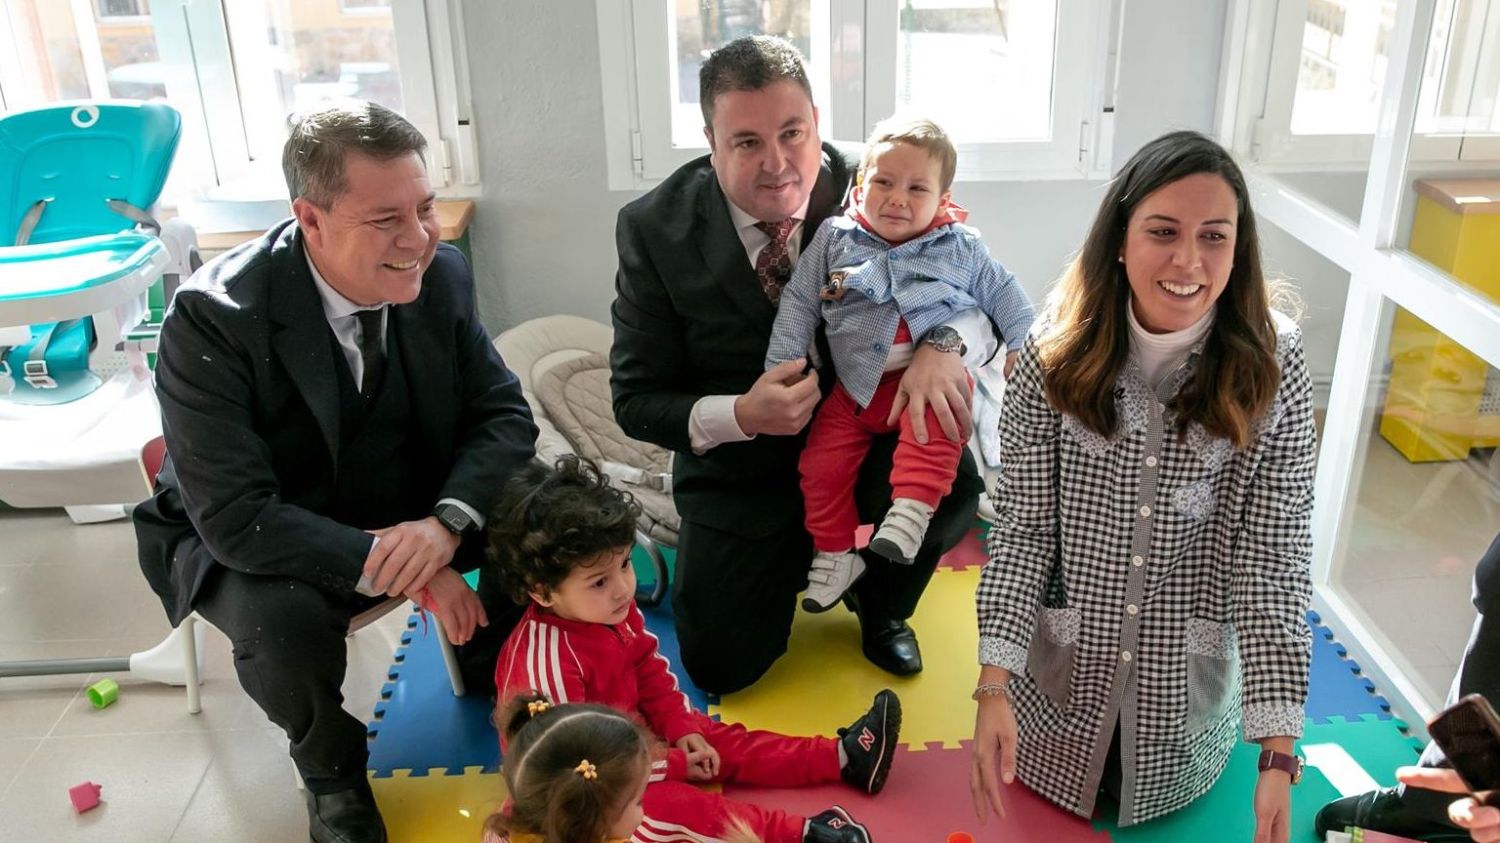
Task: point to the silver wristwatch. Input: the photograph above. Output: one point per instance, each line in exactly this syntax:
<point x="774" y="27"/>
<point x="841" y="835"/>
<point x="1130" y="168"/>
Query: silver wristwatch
<point x="945" y="339"/>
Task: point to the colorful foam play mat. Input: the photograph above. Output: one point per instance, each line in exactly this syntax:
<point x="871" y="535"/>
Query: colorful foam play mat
<point x="434" y="758"/>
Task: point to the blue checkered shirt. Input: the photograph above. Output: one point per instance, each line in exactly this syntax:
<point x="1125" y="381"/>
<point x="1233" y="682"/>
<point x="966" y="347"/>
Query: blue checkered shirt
<point x="927" y="281"/>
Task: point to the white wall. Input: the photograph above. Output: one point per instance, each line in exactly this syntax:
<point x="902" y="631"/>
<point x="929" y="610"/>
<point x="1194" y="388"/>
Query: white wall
<point x="543" y="235"/>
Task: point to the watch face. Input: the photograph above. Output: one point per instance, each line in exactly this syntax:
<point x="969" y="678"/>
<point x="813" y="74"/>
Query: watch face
<point x="454" y="518"/>
<point x="944" y="338"/>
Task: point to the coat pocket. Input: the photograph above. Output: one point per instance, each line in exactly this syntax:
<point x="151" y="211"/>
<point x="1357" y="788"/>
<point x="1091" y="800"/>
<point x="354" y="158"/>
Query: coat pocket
<point x="1213" y="664"/>
<point x="1050" y="660"/>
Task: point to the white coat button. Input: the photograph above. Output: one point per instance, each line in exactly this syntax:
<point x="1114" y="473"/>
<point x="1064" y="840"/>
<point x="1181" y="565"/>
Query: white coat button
<point x="1132" y="609"/>
<point x="1137" y="561"/>
<point x="1125" y="656"/>
<point x="1145" y="512"/>
<point x="1151" y="461"/>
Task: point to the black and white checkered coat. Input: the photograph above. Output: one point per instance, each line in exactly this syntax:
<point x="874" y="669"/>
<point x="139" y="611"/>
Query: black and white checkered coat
<point x="1152" y="577"/>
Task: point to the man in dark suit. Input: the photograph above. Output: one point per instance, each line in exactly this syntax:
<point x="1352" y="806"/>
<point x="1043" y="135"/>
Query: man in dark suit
<point x="1413" y="811"/>
<point x="337" y="426"/>
<point x="702" y="260"/>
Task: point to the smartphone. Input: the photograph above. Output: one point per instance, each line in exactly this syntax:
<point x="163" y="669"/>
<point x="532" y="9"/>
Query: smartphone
<point x="1468" y="732"/>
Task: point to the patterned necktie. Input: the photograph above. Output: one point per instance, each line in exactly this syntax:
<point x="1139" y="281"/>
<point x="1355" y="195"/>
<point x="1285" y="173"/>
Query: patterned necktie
<point x="773" y="266"/>
<point x="371" y="348"/>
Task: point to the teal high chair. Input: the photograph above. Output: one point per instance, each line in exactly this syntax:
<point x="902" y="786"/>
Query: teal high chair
<point x="79" y="253"/>
<point x="80" y="257"/>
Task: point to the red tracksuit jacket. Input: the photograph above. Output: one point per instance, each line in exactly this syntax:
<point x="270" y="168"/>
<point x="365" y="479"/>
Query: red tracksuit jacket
<point x="620" y="666"/>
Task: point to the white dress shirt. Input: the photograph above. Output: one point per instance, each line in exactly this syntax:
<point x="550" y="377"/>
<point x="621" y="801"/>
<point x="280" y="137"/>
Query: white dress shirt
<point x="712" y="422"/>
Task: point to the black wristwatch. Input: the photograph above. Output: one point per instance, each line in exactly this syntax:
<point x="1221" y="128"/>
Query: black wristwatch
<point x="453" y="517"/>
<point x="945" y="339"/>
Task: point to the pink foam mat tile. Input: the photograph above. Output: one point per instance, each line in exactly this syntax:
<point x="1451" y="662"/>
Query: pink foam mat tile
<point x="927" y="798"/>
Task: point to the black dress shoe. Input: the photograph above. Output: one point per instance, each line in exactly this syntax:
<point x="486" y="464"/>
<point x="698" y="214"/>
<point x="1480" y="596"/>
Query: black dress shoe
<point x="888" y="643"/>
<point x="348" y="816"/>
<point x="1382" y="810"/>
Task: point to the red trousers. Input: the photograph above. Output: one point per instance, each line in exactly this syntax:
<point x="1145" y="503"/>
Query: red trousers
<point x="836" y="447"/>
<point x="748" y="757"/>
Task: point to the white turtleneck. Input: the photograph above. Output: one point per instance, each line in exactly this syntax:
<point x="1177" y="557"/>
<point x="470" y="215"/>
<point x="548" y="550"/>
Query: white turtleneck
<point x="1158" y="355"/>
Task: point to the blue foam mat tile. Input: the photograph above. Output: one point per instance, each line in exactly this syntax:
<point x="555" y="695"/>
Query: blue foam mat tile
<point x="1336" y="688"/>
<point x="419" y="725"/>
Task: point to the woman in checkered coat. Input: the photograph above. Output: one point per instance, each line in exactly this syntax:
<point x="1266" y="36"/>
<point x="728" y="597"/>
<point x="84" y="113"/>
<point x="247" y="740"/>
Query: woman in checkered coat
<point x="1148" y="578"/>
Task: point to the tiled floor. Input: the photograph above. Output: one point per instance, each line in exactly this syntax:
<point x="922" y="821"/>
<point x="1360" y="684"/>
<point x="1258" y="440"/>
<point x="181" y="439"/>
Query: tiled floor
<point x="222" y="775"/>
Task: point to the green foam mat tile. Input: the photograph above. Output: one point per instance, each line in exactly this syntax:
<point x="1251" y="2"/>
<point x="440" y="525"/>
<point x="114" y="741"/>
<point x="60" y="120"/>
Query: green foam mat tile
<point x="1225" y="812"/>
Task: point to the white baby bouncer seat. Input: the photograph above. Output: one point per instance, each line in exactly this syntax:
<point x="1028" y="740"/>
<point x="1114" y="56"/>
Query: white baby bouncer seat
<point x="563" y="364"/>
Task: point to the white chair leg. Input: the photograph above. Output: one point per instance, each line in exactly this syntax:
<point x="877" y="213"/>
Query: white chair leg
<point x="190" y="663"/>
<point x="95" y="513"/>
<point x="450" y="658"/>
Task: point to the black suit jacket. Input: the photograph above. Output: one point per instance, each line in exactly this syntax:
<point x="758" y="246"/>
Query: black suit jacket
<point x="250" y="409"/>
<point x="691" y="320"/>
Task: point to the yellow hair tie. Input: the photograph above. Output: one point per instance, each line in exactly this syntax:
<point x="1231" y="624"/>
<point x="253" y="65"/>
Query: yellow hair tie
<point x="536" y="707"/>
<point x="587" y="770"/>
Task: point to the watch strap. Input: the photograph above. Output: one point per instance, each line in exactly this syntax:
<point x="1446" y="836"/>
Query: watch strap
<point x="1292" y="765"/>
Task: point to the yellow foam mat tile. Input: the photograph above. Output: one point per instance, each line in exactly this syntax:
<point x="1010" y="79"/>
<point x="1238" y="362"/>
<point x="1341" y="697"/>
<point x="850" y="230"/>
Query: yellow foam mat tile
<point x="437" y="808"/>
<point x="824" y="681"/>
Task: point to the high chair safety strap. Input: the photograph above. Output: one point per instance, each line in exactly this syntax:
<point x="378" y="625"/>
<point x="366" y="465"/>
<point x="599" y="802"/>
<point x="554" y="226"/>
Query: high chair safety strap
<point x="29" y="221"/>
<point x="134" y="214"/>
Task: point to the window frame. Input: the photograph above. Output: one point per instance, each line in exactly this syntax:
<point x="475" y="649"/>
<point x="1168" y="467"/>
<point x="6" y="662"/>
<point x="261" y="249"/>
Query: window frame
<point x="194" y="42"/>
<point x="859" y="35"/>
<point x="213" y="162"/>
<point x="1381" y="274"/>
<point x="1268" y="37"/>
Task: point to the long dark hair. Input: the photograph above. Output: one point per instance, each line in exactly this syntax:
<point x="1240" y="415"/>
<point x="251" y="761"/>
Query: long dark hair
<point x="1087" y="341"/>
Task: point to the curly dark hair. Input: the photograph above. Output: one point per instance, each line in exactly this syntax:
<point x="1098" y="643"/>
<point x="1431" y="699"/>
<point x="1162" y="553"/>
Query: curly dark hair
<point x="548" y="521"/>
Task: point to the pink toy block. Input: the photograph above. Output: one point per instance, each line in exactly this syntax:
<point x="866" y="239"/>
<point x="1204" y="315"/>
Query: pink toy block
<point x="84" y="796"/>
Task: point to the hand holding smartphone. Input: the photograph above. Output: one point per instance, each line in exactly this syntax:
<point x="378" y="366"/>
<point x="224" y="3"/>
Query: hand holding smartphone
<point x="1468" y="732"/>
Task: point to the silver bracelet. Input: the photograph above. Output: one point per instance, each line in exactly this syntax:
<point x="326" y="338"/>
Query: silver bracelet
<point x="991" y="689"/>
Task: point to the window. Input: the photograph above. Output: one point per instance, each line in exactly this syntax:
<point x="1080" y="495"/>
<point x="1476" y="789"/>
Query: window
<point x="1408" y="483"/>
<point x="1325" y="64"/>
<point x="235" y="70"/>
<point x="988" y="70"/>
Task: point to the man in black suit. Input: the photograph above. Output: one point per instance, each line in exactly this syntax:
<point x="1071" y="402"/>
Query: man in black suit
<point x="702" y="260"/>
<point x="337" y="426"/>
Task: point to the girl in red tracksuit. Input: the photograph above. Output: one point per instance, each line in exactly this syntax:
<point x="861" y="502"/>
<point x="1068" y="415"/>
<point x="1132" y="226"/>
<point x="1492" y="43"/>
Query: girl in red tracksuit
<point x="561" y="538"/>
<point x="576" y="773"/>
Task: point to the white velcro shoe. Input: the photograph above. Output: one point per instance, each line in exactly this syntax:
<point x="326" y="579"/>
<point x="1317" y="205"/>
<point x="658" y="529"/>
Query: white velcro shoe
<point x="902" y="531"/>
<point x="831" y="575"/>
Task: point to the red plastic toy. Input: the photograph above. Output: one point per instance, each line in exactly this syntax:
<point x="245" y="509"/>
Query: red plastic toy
<point x="85" y="796"/>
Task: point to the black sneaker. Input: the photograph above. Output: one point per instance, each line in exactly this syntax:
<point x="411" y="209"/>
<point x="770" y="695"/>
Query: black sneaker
<point x="834" y="826"/>
<point x="870" y="743"/>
